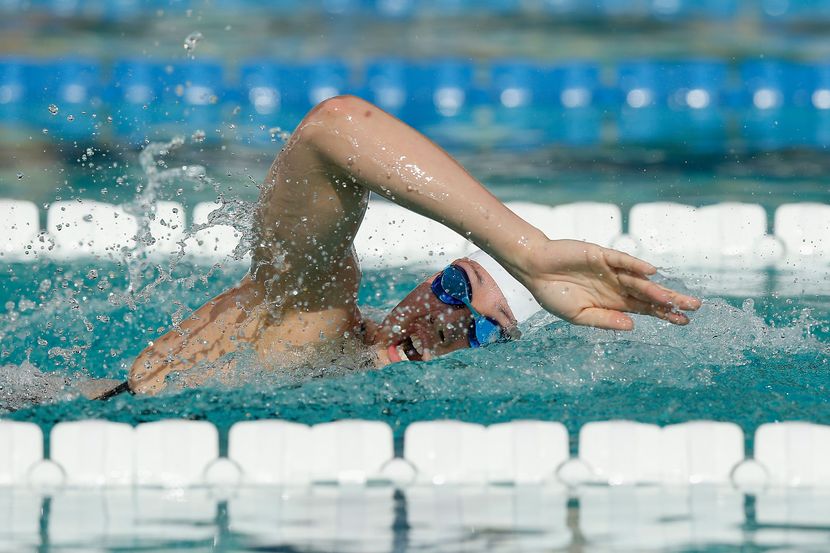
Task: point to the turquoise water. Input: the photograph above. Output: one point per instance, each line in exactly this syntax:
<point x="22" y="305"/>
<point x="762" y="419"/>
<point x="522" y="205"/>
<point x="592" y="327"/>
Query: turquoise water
<point x="381" y="519"/>
<point x="748" y="361"/>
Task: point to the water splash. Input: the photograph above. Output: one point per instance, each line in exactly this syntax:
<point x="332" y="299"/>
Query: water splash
<point x="24" y="384"/>
<point x="191" y="41"/>
<point x="720" y="337"/>
<point x="233" y="212"/>
<point x="83" y="302"/>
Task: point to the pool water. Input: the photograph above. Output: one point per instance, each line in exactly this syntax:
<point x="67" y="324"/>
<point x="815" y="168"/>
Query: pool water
<point x="745" y="360"/>
<point x="754" y="353"/>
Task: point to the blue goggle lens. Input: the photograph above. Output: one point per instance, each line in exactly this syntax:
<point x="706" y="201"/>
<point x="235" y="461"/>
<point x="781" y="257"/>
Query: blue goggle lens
<point x="452" y="287"/>
<point x="484" y="332"/>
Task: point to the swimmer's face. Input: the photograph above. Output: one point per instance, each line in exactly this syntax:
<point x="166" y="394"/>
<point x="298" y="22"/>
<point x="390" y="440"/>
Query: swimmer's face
<point x="421" y="326"/>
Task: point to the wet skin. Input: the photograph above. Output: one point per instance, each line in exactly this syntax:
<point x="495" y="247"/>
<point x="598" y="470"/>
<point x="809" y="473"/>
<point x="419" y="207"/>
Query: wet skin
<point x="422" y="327"/>
<point x="304" y="278"/>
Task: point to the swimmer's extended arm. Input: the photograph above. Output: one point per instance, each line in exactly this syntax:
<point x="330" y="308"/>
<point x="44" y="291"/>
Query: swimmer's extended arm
<point x="346" y="147"/>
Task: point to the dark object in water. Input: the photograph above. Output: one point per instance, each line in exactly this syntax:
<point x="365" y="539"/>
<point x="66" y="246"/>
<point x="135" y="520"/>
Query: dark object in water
<point x="118" y="390"/>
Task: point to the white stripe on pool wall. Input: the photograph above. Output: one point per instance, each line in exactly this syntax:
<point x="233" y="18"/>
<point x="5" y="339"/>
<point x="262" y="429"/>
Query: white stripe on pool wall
<point x="179" y="454"/>
<point x="721" y="236"/>
<point x="19" y="227"/>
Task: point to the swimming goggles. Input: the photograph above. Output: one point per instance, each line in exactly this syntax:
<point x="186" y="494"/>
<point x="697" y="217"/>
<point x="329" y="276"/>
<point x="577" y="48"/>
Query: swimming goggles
<point x="452" y="286"/>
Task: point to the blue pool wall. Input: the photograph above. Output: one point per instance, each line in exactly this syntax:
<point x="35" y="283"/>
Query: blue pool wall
<point x="771" y="11"/>
<point x="698" y="104"/>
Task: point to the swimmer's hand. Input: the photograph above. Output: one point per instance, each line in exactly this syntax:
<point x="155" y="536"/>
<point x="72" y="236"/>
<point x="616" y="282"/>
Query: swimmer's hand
<point x="589" y="285"/>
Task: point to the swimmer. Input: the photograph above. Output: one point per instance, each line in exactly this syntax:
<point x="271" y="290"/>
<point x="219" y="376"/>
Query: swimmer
<point x="301" y="291"/>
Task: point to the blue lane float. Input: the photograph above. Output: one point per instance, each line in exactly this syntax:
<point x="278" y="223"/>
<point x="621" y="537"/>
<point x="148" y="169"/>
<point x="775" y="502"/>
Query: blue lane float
<point x="674" y="103"/>
<point x="774" y="104"/>
<point x="151" y="99"/>
<point x="274" y="95"/>
<point x="671" y="11"/>
<point x="697" y="104"/>
<point x="64" y="97"/>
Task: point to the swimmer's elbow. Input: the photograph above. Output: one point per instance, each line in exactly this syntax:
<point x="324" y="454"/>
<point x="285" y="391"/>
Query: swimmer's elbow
<point x="337" y="107"/>
<point x="331" y="115"/>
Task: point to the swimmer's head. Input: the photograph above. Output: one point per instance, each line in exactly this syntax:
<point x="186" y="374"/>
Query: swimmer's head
<point x="431" y="321"/>
<point x="521" y="301"/>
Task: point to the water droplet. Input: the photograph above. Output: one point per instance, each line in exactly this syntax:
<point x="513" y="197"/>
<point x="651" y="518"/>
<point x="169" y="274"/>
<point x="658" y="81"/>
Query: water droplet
<point x="70" y="118"/>
<point x="198" y="136"/>
<point x="19" y="175"/>
<point x="53" y="109"/>
<point x="396" y="328"/>
<point x="191" y="41"/>
<point x="90" y="152"/>
<point x="92" y="274"/>
<point x="45" y="131"/>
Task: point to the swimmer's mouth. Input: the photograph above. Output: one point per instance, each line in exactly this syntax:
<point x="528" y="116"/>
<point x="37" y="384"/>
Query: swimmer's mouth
<point x="406" y="349"/>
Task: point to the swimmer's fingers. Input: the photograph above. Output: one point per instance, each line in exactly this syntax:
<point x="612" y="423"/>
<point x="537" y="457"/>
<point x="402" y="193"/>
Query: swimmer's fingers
<point x="652" y="293"/>
<point x="612" y="319"/>
<point x="659" y="311"/>
<point x="625" y="262"/>
<point x="599" y="317"/>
